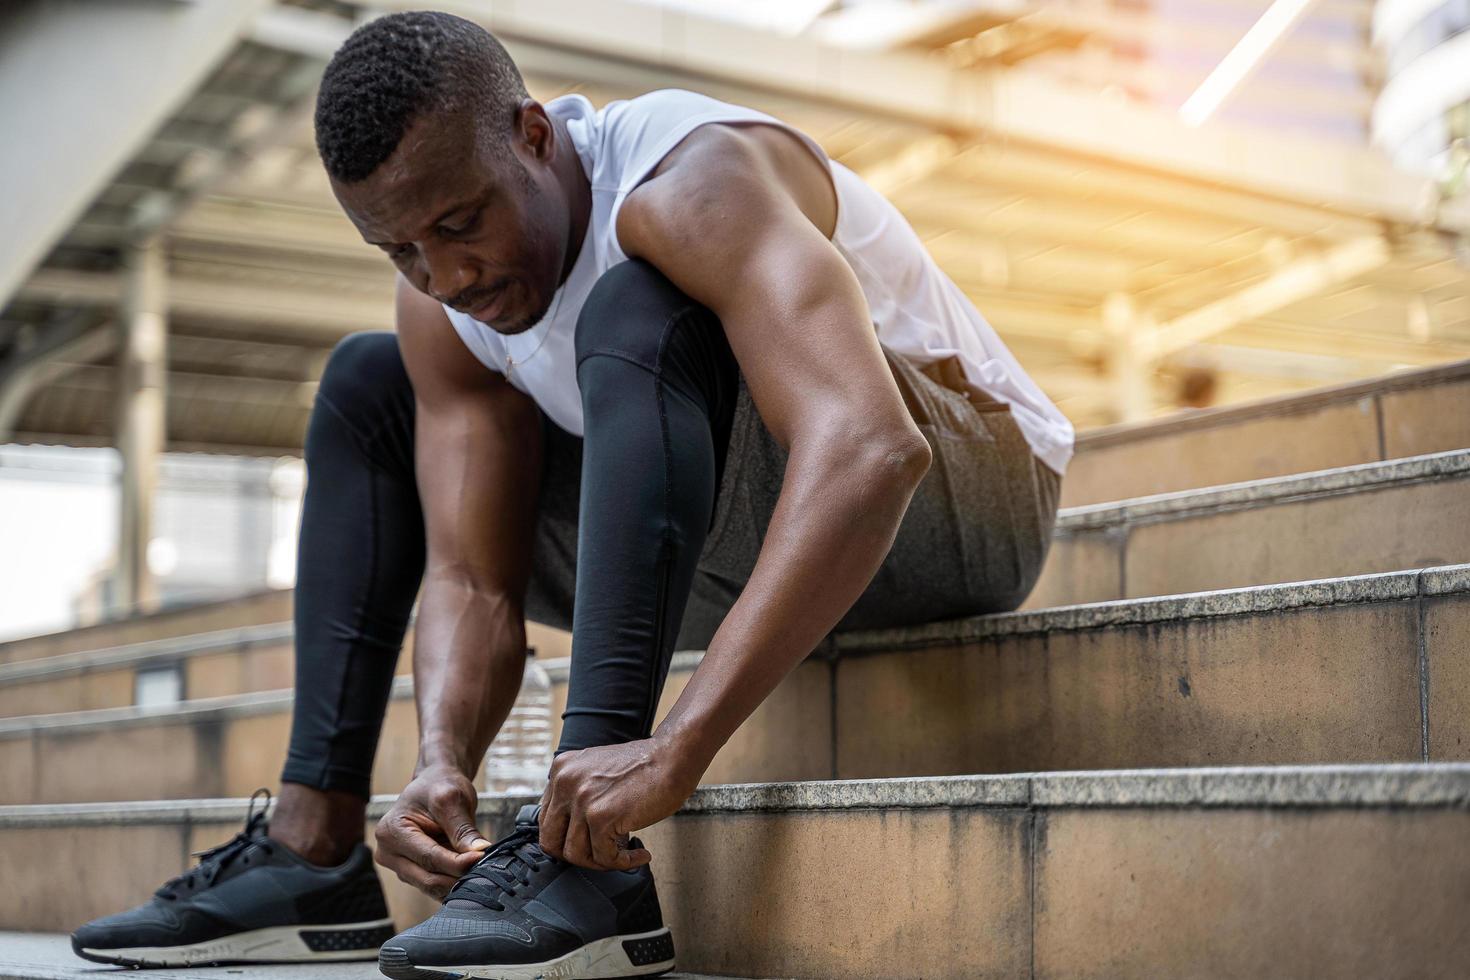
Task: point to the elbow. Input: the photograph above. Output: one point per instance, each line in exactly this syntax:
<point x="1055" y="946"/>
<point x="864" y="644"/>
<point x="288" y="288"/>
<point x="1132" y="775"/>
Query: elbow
<point x="894" y="463"/>
<point x="909" y="457"/>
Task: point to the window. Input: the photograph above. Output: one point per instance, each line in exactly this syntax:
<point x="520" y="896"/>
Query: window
<point x="157" y="686"/>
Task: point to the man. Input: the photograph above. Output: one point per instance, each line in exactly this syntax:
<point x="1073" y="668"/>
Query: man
<point x="664" y="375"/>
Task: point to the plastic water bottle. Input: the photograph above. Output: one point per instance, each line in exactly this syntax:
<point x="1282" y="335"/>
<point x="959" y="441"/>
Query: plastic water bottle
<point x="520" y="756"/>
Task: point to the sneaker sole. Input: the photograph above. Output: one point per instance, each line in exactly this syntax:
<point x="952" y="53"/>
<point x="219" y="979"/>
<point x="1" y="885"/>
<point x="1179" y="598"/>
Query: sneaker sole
<point x="279" y="944"/>
<point x="645" y="954"/>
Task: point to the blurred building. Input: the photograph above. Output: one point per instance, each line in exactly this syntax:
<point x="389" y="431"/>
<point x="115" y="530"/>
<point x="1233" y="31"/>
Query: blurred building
<point x="222" y="526"/>
<point x="1424" y="108"/>
<point x="177" y="271"/>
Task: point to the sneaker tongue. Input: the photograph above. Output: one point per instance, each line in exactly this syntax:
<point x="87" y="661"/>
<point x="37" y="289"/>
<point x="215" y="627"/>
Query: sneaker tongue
<point x="488" y="876"/>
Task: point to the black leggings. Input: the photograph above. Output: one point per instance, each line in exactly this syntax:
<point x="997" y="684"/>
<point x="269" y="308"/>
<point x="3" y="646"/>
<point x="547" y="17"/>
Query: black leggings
<point x="659" y="385"/>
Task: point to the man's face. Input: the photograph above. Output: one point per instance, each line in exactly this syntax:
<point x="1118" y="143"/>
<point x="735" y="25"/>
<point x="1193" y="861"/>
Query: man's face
<point x="482" y="233"/>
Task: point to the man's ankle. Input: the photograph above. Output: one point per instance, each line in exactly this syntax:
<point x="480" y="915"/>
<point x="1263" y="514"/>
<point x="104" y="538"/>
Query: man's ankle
<point x="320" y="826"/>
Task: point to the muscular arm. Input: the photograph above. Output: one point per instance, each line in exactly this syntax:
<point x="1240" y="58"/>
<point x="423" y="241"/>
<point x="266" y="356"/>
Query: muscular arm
<point x="800" y="328"/>
<point x="477" y="452"/>
<point x="736" y="221"/>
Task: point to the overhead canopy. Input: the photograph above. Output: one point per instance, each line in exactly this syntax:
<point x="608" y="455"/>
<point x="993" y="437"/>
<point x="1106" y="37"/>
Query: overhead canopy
<point x="1071" y="217"/>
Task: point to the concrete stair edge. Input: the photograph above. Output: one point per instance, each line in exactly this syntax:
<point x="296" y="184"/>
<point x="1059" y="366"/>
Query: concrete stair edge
<point x="1356" y="477"/>
<point x="1394" y="784"/>
<point x="1339" y="590"/>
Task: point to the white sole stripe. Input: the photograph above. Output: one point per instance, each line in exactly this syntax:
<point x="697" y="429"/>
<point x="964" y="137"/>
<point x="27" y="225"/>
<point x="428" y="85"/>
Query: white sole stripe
<point x="274" y="944"/>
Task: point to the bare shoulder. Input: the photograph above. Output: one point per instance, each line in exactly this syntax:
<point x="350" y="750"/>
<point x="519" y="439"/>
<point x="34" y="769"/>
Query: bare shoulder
<point x="716" y="157"/>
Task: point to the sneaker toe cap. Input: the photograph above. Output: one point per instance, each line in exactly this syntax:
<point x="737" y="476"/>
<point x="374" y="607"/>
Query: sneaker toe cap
<point x="452" y="937"/>
<point x="146" y="925"/>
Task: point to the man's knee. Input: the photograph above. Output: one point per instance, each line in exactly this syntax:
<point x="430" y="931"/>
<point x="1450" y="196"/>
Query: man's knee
<point x="627" y="310"/>
<point x="362" y="369"/>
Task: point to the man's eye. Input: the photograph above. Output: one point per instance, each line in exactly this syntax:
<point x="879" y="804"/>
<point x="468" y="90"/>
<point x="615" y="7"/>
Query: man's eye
<point x="464" y="227"/>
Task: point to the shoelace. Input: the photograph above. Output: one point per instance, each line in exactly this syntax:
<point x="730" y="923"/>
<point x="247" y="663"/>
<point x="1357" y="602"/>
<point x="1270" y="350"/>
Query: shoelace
<point x="507" y="865"/>
<point x="214" y="859"/>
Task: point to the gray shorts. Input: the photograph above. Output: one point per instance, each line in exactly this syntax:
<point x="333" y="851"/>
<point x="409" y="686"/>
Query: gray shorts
<point x="973" y="540"/>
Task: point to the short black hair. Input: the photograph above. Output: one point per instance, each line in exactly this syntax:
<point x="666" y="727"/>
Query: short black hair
<point x="395" y="68"/>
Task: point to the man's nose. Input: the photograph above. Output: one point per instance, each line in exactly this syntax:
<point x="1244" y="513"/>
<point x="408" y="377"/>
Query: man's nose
<point x="448" y="274"/>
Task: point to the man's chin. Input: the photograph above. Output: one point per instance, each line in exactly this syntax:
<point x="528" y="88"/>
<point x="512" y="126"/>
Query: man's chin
<point x="517" y="326"/>
<point x="525" y="322"/>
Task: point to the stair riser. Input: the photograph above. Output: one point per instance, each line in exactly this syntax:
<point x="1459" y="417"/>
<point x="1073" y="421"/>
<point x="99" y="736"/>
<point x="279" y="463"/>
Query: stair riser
<point x="1412" y="525"/>
<point x="1341" y="682"/>
<point x="1324" y="433"/>
<point x="956" y="891"/>
<point x="1318" y="684"/>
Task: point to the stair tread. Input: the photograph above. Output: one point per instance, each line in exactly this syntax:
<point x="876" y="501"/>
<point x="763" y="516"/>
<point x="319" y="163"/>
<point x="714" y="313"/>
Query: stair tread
<point x="48" y="956"/>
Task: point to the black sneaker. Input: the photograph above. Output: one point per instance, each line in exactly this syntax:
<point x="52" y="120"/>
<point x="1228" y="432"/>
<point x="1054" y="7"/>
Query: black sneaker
<point x="250" y="900"/>
<point x="521" y="914"/>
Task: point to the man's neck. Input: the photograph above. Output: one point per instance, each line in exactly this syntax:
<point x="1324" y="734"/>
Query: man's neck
<point x="579" y="197"/>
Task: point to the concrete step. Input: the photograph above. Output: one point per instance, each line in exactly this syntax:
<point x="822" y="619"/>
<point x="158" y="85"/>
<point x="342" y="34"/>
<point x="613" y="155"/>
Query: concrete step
<point x="48" y="956"/>
<point x="231" y="745"/>
<point x="236" y="660"/>
<point x="1372" y="668"/>
<point x="218" y="663"/>
<point x="252" y="609"/>
<point x="1407" y="413"/>
<point x="1371" y="517"/>
<point x="1291" y="871"/>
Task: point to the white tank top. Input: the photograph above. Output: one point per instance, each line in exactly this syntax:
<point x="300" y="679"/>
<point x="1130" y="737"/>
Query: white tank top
<point x="916" y="308"/>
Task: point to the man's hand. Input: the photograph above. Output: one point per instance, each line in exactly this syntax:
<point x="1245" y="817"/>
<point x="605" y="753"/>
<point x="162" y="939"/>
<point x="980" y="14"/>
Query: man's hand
<point x="429" y="837"/>
<point x="596" y="797"/>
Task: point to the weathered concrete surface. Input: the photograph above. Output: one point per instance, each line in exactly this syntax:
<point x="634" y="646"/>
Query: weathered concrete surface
<point x="1311" y="684"/>
<point x="1249" y="893"/>
<point x="1425" y="418"/>
<point x="1205" y="450"/>
<point x="849" y="893"/>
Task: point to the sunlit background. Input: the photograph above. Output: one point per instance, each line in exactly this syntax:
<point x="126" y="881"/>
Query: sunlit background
<point x="1161" y="206"/>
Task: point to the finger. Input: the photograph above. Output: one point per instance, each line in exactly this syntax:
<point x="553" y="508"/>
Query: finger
<point x="431" y="884"/>
<point x="457" y="821"/>
<point x="578" y="847"/>
<point x="553" y="821"/>
<point x="607" y="849"/>
<point x="636" y="857"/>
<point x="423" y="851"/>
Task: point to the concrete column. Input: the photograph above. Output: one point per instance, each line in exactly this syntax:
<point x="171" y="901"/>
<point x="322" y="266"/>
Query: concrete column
<point x="141" y="423"/>
<point x="1130" y="372"/>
